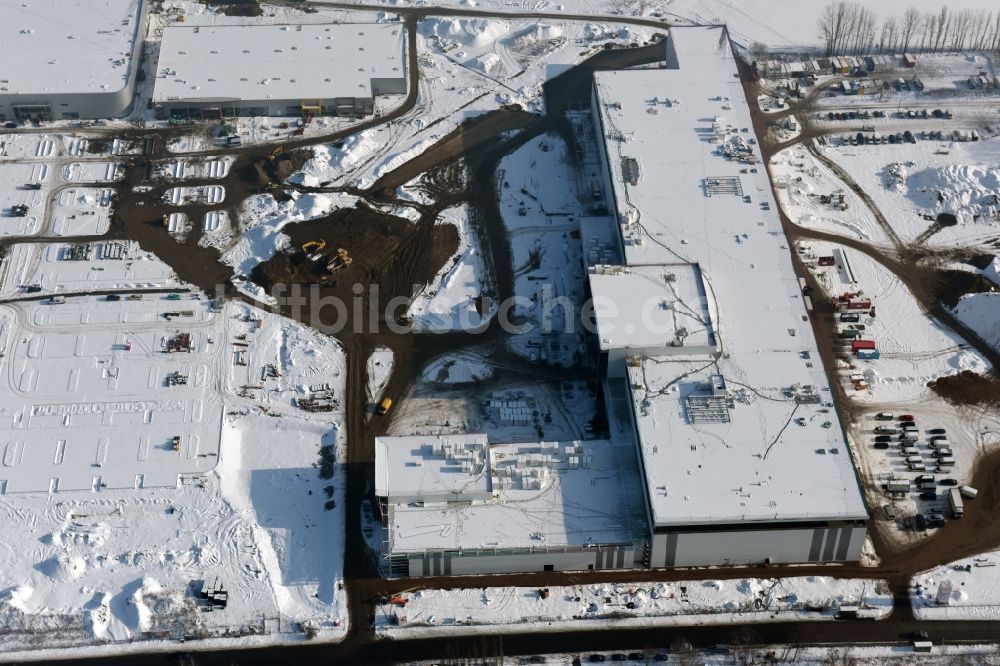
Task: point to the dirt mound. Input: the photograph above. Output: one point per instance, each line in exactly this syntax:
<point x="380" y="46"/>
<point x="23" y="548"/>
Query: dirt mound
<point x="955" y="284"/>
<point x="968" y="388"/>
<point x="388" y="254"/>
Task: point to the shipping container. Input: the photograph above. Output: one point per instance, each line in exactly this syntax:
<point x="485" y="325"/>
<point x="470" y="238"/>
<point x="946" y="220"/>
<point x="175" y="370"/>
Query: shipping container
<point x="867" y="354"/>
<point x="850" y="317"/>
<point x="859" y="304"/>
<point x="862" y="344"/>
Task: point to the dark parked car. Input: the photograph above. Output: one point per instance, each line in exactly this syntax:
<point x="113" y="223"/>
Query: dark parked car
<point x="937" y="431"/>
<point x="920" y="523"/>
<point x="881" y="445"/>
<point x="929" y="496"/>
<point x="883" y="438"/>
<point x="935" y="520"/>
<point x="948" y="482"/>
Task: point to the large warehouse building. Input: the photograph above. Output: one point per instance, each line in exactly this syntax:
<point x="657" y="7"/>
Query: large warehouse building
<point x="743" y="456"/>
<point x="720" y="414"/>
<point x="67" y="59"/>
<point x="278" y="70"/>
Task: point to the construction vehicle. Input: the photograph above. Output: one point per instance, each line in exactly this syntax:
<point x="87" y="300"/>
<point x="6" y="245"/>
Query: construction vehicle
<point x="274" y="154"/>
<point x="340" y="260"/>
<point x="313" y="249"/>
<point x="385" y="406"/>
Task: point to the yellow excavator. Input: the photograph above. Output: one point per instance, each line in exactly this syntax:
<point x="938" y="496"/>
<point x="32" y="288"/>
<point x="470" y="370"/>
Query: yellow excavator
<point x="340" y="260"/>
<point x="313" y="249"/>
<point x="274" y="154"/>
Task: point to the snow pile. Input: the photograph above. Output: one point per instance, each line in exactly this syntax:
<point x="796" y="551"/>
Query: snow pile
<point x="144" y="614"/>
<point x="981" y="313"/>
<point x="470" y="32"/>
<point x="17" y="597"/>
<point x="488" y="63"/>
<point x="992" y="272"/>
<point x="263" y="218"/>
<point x="962" y="189"/>
<point x="332" y="162"/>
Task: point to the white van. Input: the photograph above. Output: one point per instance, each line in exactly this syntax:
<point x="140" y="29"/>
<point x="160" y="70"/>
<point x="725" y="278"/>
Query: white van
<point x="917" y="467"/>
<point x="909" y="451"/>
<point x="939" y="444"/>
<point x="947" y="461"/>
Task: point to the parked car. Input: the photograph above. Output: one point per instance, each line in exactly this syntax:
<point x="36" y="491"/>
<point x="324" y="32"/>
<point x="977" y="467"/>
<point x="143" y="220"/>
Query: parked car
<point x="884" y="416"/>
<point x="948" y="482"/>
<point x="935" y="520"/>
<point x="888" y="430"/>
<point x="889" y="511"/>
<point x="906" y="417"/>
<point x="883" y="438"/>
<point x="920" y="523"/>
<point x="928" y="496"/>
<point x="939" y="438"/>
<point x="936" y="431"/>
<point x="881" y="445"/>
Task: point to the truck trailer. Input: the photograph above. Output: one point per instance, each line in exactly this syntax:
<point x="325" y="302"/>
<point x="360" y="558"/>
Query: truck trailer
<point x="955" y="500"/>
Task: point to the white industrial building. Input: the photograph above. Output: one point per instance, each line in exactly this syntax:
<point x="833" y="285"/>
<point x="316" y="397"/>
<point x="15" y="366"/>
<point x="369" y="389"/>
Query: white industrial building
<point x="743" y="456"/>
<point x="458" y="504"/>
<point x="724" y="443"/>
<point x="278" y="70"/>
<point x="67" y="59"/>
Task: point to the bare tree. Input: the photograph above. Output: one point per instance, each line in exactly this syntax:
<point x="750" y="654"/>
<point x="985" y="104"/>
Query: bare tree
<point x="908" y="28"/>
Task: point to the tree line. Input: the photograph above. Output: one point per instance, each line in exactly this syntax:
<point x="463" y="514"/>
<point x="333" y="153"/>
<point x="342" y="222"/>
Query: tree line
<point x="849" y="27"/>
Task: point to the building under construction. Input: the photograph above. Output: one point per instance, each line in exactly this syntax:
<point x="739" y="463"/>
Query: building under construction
<point x="207" y="72"/>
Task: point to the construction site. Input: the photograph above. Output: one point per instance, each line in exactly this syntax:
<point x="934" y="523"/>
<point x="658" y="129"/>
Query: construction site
<point x="252" y="278"/>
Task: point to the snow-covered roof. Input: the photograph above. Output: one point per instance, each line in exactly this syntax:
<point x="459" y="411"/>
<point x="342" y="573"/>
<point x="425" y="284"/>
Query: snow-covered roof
<point x="548" y="494"/>
<point x="661" y="309"/>
<point x="67" y="46"/>
<point x="257" y="62"/>
<point x="765" y="444"/>
<point x="432" y="468"/>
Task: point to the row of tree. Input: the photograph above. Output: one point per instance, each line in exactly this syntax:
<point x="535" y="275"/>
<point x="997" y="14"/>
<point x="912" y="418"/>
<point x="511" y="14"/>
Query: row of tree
<point x="848" y="27"/>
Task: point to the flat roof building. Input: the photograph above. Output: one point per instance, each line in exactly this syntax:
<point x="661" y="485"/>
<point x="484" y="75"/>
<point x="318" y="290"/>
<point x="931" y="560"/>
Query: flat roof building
<point x="743" y="456"/>
<point x="457" y="504"/>
<point x="279" y="70"/>
<point x="69" y="59"/>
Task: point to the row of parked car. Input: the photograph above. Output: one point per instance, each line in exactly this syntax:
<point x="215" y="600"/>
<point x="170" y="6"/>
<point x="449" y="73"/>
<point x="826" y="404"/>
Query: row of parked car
<point x="905" y="435"/>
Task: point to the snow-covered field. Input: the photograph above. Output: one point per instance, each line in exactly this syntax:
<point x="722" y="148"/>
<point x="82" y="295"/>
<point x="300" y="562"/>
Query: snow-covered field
<point x="448" y="302"/>
<point x="911" y="182"/>
<point x="968" y="589"/>
<point x="696" y="602"/>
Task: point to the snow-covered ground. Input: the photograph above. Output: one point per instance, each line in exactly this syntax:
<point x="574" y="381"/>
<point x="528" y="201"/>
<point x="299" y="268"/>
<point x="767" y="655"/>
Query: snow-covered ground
<point x="913" y="182"/>
<point x="457" y="368"/>
<point x="914" y="349"/>
<point x="696" y="602"/>
<point x="14" y="181"/>
<point x="968" y="589"/>
<point x="541" y="210"/>
<point x="138" y="475"/>
<point x="448" y="302"/>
